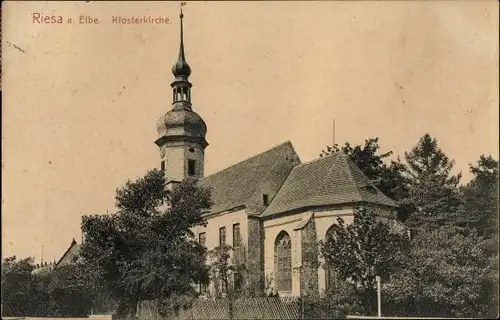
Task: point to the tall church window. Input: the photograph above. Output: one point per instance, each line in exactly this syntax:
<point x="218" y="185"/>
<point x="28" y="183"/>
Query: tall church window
<point x="222" y="236"/>
<point x="283" y="262"/>
<point x="236" y="235"/>
<point x="163" y="165"/>
<point x="202" y="239"/>
<point x="191" y="167"/>
<point x="331" y="276"/>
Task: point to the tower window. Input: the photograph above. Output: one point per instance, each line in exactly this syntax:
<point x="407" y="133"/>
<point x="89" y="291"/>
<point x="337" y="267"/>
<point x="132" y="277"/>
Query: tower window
<point x="191" y="167"/>
<point x="265" y="199"/>
<point x="163" y="165"/>
<point x="191" y="149"/>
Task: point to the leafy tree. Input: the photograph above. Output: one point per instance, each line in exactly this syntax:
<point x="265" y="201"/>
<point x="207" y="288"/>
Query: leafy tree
<point x="433" y="189"/>
<point x="362" y="250"/>
<point x="388" y="178"/>
<point x="221" y="270"/>
<point x="366" y="157"/>
<point x="146" y="250"/>
<point x="42" y="304"/>
<point x="59" y="292"/>
<point x="228" y="273"/>
<point x="446" y="274"/>
<point x="17" y="285"/>
<point x="480" y="210"/>
<point x="69" y="295"/>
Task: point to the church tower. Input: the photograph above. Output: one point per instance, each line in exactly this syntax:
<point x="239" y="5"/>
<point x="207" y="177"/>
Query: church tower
<point x="181" y="130"/>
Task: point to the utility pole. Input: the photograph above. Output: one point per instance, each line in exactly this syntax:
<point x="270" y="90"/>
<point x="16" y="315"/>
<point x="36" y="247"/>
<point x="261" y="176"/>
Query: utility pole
<point x="333" y="137"/>
<point x="41" y="259"/>
<point x="379" y="302"/>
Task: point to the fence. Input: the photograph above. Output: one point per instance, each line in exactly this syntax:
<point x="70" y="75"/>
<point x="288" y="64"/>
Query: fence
<point x="244" y="308"/>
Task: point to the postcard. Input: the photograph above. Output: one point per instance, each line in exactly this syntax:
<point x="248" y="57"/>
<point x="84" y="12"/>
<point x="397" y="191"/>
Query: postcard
<point x="249" y="160"/>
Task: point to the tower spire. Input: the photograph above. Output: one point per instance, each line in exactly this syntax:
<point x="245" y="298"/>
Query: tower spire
<point x="182" y="57"/>
<point x="181" y="68"/>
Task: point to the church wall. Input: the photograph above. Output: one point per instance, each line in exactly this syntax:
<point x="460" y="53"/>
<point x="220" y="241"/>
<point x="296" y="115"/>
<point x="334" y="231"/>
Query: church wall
<point x="176" y="156"/>
<point x="174" y="163"/>
<point x="194" y="153"/>
<point x="214" y="223"/>
<point x="271" y="230"/>
<point x="324" y="220"/>
<point x="226" y="220"/>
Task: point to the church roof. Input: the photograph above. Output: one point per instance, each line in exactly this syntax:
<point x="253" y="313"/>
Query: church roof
<point x="330" y="180"/>
<point x="237" y="185"/>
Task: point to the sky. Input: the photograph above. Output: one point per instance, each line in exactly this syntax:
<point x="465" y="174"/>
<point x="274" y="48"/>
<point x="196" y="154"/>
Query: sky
<point x="80" y="101"/>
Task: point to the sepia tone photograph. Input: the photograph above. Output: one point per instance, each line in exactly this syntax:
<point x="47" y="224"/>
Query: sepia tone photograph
<point x="250" y="160"/>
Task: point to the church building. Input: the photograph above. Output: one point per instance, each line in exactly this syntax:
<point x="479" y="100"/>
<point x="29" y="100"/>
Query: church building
<point x="271" y="208"/>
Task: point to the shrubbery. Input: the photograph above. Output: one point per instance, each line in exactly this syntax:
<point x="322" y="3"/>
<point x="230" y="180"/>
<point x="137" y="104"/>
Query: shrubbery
<point x="59" y="292"/>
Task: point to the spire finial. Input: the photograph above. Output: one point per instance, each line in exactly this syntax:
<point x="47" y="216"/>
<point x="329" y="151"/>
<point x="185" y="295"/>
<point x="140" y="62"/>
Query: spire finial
<point x="182" y="15"/>
<point x="181" y="67"/>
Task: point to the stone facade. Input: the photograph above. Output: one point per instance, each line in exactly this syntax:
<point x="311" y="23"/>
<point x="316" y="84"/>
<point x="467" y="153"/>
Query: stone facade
<point x="310" y="262"/>
<point x="255" y="256"/>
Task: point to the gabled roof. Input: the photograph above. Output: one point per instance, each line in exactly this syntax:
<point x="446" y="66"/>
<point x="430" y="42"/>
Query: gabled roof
<point x="235" y="186"/>
<point x="70" y="254"/>
<point x="331" y="180"/>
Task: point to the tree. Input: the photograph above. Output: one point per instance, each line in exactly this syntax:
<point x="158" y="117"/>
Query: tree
<point x="433" y="189"/>
<point x="388" y="178"/>
<point x="59" y="292"/>
<point x="17" y="285"/>
<point x="146" y="250"/>
<point x="228" y="271"/>
<point x="366" y="157"/>
<point x="362" y="250"/>
<point x="69" y="295"/>
<point x="480" y="211"/>
<point x="446" y="274"/>
<point x="221" y="270"/>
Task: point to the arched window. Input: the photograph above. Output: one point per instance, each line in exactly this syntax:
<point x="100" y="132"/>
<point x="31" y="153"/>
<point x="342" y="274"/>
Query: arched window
<point x="331" y="279"/>
<point x="283" y="262"/>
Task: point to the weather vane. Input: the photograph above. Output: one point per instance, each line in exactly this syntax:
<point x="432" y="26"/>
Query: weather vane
<point x="182" y="5"/>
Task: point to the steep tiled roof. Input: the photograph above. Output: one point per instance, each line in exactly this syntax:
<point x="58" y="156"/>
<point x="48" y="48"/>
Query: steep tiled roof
<point x="330" y="180"/>
<point x="236" y="185"/>
<point x="69" y="255"/>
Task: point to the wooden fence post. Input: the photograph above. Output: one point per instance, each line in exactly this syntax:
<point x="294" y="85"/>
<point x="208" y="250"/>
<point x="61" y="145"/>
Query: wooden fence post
<point x="379" y="302"/>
